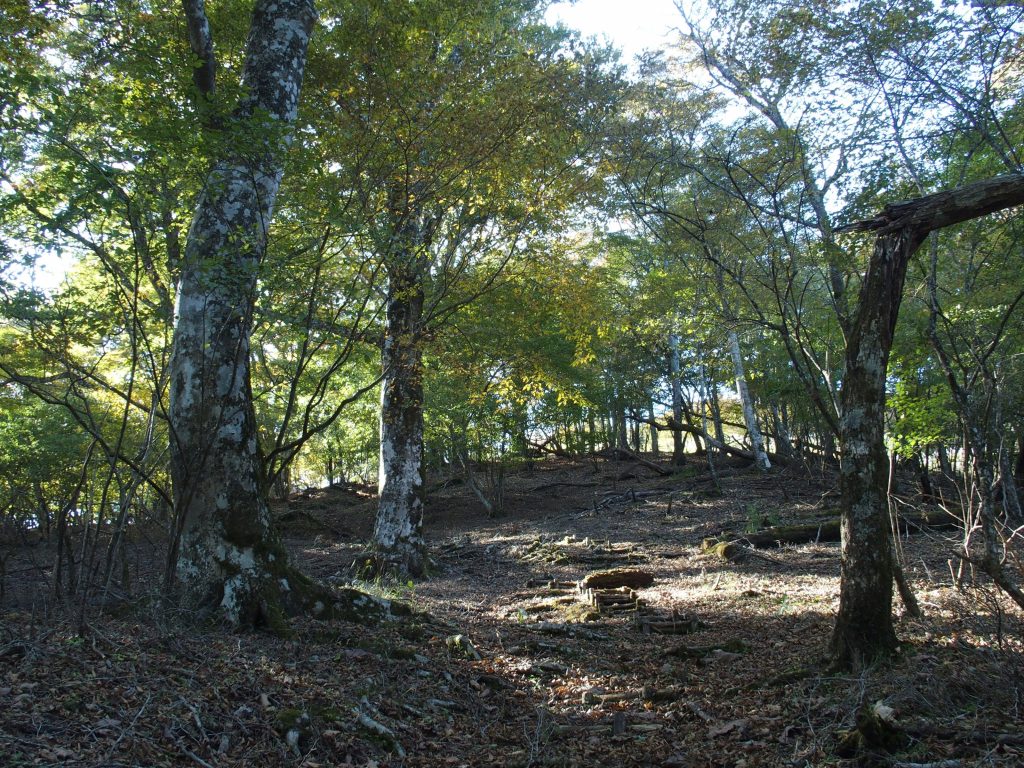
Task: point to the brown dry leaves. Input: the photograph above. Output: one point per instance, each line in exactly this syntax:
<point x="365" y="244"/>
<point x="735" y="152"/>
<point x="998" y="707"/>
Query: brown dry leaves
<point x="744" y="687"/>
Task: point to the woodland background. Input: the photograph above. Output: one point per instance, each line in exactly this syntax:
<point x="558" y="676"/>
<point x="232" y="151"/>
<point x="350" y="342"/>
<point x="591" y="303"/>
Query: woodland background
<point x="474" y="249"/>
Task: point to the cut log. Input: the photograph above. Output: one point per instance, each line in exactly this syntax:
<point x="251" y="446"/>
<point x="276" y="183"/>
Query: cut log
<point x="612" y="598"/>
<point x="551" y="584"/>
<point x="618" y="577"/>
<point x="674" y="624"/>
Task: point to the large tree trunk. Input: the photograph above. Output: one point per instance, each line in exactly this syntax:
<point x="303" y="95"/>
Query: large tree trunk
<point x="398" y="533"/>
<point x="747" y="404"/>
<point x="864" y="628"/>
<point x="228" y="558"/>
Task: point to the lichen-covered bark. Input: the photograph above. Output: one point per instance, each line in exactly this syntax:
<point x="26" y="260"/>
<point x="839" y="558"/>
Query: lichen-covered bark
<point x="398" y="532"/>
<point x="864" y="629"/>
<point x="228" y="559"/>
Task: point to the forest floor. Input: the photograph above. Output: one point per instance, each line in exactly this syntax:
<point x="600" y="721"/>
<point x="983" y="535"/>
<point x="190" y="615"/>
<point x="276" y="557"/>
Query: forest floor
<point x="719" y="663"/>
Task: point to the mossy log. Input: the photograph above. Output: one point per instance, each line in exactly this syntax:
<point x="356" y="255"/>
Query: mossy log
<point x="727" y="550"/>
<point x="875" y="733"/>
<point x="634" y="578"/>
<point x="804" y="533"/>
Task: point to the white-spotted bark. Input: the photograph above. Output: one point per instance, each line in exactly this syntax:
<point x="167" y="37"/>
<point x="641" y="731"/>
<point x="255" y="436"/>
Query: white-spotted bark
<point x="228" y="560"/>
<point x="864" y="628"/>
<point x="398" y="532"/>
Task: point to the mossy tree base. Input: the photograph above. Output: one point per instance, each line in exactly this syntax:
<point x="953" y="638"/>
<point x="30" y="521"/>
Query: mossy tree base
<point x="387" y="565"/>
<point x="252" y="586"/>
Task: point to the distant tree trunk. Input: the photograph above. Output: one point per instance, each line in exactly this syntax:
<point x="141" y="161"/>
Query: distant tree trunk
<point x="228" y="558"/>
<point x="675" y="368"/>
<point x="783" y="441"/>
<point x="944" y="465"/>
<point x="655" y="447"/>
<point x="924" y="479"/>
<point x="398" y="532"/>
<point x="1011" y="492"/>
<point x="716" y="409"/>
<point x="282" y="485"/>
<point x="828" y="446"/>
<point x="1018" y="469"/>
<point x="747" y="404"/>
<point x="619" y="422"/>
<point x="864" y="629"/>
<point x="521" y="438"/>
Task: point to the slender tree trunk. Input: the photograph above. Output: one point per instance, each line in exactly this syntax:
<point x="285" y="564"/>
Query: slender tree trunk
<point x="229" y="559"/>
<point x="521" y="438"/>
<point x="711" y="391"/>
<point x="945" y="467"/>
<point x="747" y="403"/>
<point x="828" y="446"/>
<point x="783" y="441"/>
<point x="398" y="533"/>
<point x="710" y="449"/>
<point x="675" y="368"/>
<point x="655" y="446"/>
<point x="924" y="479"/>
<point x="1008" y="484"/>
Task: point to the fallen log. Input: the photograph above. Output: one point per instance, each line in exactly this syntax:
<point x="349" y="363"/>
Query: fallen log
<point x="673" y="624"/>
<point x="825" y="530"/>
<point x="731" y="647"/>
<point x="633" y="578"/>
<point x="622" y="453"/>
<point x="671" y="425"/>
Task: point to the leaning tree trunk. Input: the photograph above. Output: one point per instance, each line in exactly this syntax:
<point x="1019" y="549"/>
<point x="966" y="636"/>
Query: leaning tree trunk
<point x="747" y="404"/>
<point x="398" y="533"/>
<point x="228" y="559"/>
<point x="864" y="628"/>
